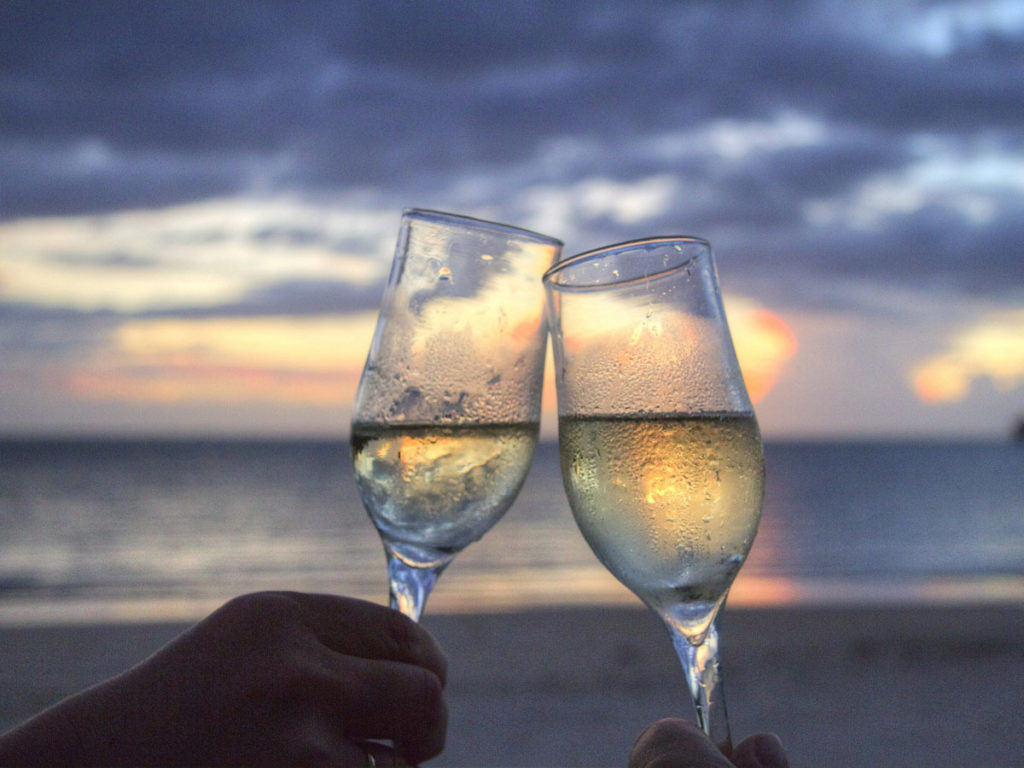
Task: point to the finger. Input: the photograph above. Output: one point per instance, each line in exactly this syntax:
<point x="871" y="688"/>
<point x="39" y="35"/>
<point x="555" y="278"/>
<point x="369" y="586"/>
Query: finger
<point x="371" y="631"/>
<point x="389" y="700"/>
<point x="674" y="743"/>
<point x="762" y="750"/>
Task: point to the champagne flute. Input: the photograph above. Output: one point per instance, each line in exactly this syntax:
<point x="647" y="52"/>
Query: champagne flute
<point x="447" y="410"/>
<point x="661" y="455"/>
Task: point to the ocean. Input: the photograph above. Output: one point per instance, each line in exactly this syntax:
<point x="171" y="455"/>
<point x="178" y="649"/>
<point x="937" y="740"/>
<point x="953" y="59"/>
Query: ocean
<point x="146" y="530"/>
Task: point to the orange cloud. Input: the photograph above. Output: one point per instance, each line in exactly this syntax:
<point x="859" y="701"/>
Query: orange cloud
<point x="992" y="348"/>
<point x="316" y="360"/>
<point x="764" y="343"/>
<point x="213" y="384"/>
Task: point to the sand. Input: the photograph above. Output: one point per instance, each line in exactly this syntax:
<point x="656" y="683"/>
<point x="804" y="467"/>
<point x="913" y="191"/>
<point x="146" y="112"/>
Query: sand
<point x="872" y="686"/>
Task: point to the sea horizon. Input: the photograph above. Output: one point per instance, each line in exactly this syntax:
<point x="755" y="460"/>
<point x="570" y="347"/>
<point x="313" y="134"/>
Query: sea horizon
<point x="131" y="528"/>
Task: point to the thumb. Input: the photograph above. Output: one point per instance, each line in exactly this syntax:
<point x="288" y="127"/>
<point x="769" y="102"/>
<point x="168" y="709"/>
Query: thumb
<point x="674" y="743"/>
<point x="762" y="750"/>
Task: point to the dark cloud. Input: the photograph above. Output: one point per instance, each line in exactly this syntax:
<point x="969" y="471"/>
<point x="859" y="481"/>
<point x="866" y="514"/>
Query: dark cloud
<point x="288" y="298"/>
<point x="828" y="169"/>
<point x="83" y="176"/>
<point x="34" y="338"/>
<point x="109" y="105"/>
<point x="366" y="91"/>
<point x="934" y="250"/>
<point x="450" y="39"/>
<point x="937" y="245"/>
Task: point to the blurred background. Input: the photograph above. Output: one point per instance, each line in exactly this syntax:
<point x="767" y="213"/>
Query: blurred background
<point x="200" y="202"/>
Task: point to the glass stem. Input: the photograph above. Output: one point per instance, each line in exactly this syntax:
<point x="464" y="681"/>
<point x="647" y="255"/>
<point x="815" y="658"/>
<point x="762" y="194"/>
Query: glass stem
<point x="700" y="663"/>
<point x="409" y="585"/>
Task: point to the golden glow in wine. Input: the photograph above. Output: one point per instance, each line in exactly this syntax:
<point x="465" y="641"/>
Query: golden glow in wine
<point x="669" y="503"/>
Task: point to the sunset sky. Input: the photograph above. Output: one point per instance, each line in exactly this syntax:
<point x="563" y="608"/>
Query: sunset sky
<point x="199" y="201"/>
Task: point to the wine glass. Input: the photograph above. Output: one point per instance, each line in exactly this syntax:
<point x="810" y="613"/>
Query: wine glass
<point x="447" y="410"/>
<point x="661" y="455"/>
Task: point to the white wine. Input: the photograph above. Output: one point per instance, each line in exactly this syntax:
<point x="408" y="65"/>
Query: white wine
<point x="439" y="488"/>
<point x="669" y="503"/>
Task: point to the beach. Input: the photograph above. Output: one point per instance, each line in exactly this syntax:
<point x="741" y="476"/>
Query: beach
<point x="850" y="686"/>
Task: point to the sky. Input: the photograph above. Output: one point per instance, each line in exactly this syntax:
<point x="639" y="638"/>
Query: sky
<point x="199" y="201"/>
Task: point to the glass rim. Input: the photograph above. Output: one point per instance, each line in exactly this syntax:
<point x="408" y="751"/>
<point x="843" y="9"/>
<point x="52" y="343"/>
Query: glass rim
<point x="552" y="273"/>
<point x="429" y="214"/>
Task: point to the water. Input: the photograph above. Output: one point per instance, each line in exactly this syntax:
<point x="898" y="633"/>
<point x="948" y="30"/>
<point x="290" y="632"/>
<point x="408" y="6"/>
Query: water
<point x="121" y="530"/>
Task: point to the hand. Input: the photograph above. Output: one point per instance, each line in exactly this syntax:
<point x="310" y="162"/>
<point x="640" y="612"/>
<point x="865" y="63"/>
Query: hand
<point x="673" y="743"/>
<point x="271" y="679"/>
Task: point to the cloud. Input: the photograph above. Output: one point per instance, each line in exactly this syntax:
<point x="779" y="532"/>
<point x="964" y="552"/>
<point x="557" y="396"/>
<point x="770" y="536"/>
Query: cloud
<point x="250" y="159"/>
<point x="764" y="344"/>
<point x="273" y="254"/>
<point x="74" y="291"/>
<point x="187" y="98"/>
<point x="991" y="349"/>
<point x="941" y="29"/>
<point x="309" y="360"/>
<point x="804" y="124"/>
<point x="626" y="203"/>
<point x="975" y="185"/>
